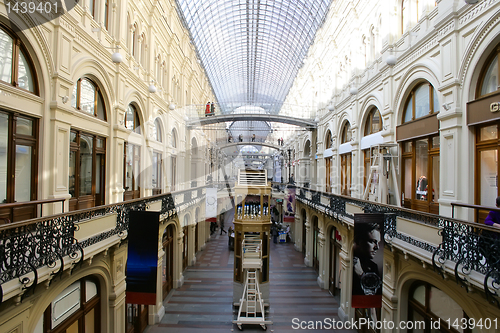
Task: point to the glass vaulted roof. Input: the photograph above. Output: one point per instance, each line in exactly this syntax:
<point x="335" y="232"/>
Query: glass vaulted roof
<point x="252" y="49"/>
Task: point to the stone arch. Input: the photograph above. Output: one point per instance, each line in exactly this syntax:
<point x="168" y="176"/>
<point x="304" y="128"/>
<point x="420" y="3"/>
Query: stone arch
<point x="482" y="44"/>
<point x="424" y="71"/>
<point x="100" y="271"/>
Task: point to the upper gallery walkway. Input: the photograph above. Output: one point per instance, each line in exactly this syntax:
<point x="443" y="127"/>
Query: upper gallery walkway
<point x="199" y="115"/>
<point x="204" y="302"/>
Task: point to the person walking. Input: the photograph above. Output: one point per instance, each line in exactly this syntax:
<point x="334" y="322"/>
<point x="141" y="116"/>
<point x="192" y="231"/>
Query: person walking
<point x="274" y="233"/>
<point x="212" y="109"/>
<point x="222" y="226"/>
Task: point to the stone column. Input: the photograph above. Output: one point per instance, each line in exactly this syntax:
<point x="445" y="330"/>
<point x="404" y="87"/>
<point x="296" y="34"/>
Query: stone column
<point x="308" y="243"/>
<point x="117" y="305"/>
<point x="156" y="312"/>
<point x="178" y="261"/>
<point x="321" y="255"/>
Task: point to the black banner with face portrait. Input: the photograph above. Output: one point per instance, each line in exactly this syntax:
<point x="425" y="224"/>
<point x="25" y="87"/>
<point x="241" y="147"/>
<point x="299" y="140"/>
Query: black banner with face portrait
<point x="367" y="261"/>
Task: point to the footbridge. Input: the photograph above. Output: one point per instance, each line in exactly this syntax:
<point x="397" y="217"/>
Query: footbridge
<point x="309" y="124"/>
<point x="250" y="143"/>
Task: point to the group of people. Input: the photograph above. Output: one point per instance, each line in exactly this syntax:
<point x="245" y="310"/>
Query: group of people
<point x="275" y="231"/>
<point x="209" y="109"/>
<point x="280" y="142"/>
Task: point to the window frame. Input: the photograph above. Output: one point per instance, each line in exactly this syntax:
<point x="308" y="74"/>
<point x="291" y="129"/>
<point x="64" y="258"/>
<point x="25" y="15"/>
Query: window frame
<point x="18" y="47"/>
<point x="427" y="205"/>
<point x="159" y="172"/>
<point x="482" y="75"/>
<point x="97" y="94"/>
<point x="14" y="139"/>
<point x="79" y="315"/>
<point x="136" y="121"/>
<point x="424" y="309"/>
<point x="159" y="132"/>
<point x="411" y="98"/>
<point x="136" y="181"/>
<point x="76" y="200"/>
<point x="345" y="129"/>
<point x="369" y="121"/>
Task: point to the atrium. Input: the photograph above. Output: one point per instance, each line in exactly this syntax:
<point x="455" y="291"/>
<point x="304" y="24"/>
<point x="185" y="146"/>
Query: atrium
<point x="126" y="124"/>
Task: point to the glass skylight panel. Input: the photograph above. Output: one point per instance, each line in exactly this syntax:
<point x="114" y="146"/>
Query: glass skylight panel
<point x="252" y="50"/>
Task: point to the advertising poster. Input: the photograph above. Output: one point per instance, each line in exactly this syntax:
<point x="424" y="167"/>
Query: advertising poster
<point x="142" y="262"/>
<point x="368" y="256"/>
<point x="289" y="205"/>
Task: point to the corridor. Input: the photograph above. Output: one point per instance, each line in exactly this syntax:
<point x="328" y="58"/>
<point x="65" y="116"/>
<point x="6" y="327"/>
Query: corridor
<point x="203" y="303"/>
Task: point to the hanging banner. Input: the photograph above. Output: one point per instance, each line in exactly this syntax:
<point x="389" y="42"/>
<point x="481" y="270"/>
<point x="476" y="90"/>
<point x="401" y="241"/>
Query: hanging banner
<point x="211" y="204"/>
<point x="289" y="205"/>
<point x="142" y="260"/>
<point x="368" y="256"/>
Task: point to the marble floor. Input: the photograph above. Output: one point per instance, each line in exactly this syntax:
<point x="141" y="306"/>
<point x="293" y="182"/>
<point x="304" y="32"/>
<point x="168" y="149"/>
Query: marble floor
<point x="204" y="302"/>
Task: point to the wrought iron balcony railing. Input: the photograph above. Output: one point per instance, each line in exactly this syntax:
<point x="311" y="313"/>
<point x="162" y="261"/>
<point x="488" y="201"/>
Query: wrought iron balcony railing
<point x="468" y="246"/>
<point x="27" y="246"/>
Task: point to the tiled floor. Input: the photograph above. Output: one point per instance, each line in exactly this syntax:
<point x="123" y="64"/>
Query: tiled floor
<point x="204" y="302"/>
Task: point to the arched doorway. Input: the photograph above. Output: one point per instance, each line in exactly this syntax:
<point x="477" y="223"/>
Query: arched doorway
<point x="334" y="262"/>
<point x="168" y="259"/>
<point x="185" y="239"/>
<point x="303" y="218"/>
<point x="315" y="244"/>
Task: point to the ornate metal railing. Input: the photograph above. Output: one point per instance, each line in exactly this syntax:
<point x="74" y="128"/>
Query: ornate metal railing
<point x="27" y="246"/>
<point x="469" y="246"/>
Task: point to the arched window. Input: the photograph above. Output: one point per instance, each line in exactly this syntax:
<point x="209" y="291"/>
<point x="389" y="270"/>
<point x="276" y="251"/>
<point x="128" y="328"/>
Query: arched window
<point x="421" y="102"/>
<point x="173" y="140"/>
<point x="134" y="40"/>
<point x="373" y="122"/>
<point x="15" y="65"/>
<point x="328" y="140"/>
<point x="129" y="27"/>
<point x="157" y="130"/>
<point x="373" y="125"/>
<point x="489" y="82"/>
<point x="76" y="309"/>
<point x="345" y="161"/>
<point x="132" y="119"/>
<point x="87" y="97"/>
<point x="427" y="303"/>
<point x="346" y="133"/>
<point x="173" y="160"/>
<point x="143" y="51"/>
<point x="328" y="161"/>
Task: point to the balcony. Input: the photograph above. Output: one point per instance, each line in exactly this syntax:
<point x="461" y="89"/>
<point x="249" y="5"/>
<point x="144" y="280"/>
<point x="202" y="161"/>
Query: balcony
<point x="37" y="251"/>
<point x="468" y="251"/>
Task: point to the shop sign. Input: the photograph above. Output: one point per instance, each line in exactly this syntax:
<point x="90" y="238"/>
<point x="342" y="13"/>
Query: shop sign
<point x="494" y="107"/>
